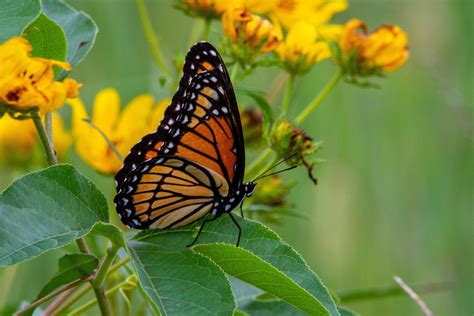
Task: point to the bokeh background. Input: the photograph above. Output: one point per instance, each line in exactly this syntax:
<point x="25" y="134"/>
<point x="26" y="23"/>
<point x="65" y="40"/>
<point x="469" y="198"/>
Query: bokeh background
<point x="395" y="196"/>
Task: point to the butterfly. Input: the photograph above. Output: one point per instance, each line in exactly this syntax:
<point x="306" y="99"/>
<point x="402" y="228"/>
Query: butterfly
<point x="194" y="163"/>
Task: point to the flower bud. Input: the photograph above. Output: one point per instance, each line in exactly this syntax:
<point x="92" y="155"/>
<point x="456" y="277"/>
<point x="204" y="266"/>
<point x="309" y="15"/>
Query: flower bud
<point x="363" y="53"/>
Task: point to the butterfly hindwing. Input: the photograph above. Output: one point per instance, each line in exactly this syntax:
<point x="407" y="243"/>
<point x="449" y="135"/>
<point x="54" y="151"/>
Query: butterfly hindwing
<point x="201" y="126"/>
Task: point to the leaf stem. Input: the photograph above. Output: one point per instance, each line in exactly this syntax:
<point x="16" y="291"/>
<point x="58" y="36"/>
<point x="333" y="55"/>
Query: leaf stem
<point x="319" y="98"/>
<point x="45" y="141"/>
<point x="288" y="92"/>
<point x="387" y="291"/>
<point x="151" y="37"/>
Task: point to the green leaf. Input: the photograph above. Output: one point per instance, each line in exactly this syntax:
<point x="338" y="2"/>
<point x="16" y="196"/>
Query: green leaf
<point x="178" y="281"/>
<point x="274" y="308"/>
<point x="246" y="266"/>
<point x="45" y="210"/>
<point x="267" y="245"/>
<point x="264" y="247"/>
<point x="47" y="38"/>
<point x="16" y="15"/>
<point x="80" y="29"/>
<point x="346" y="311"/>
<point x="71" y="268"/>
<point x="110" y="231"/>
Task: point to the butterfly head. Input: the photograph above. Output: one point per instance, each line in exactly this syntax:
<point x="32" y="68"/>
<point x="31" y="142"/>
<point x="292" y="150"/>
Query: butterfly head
<point x="249" y="188"/>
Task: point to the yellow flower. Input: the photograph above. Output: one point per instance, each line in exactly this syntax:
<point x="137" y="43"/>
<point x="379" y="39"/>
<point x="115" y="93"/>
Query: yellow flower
<point x="27" y="82"/>
<point x="385" y="48"/>
<point x="315" y="12"/>
<point x="244" y="28"/>
<point x="214" y="8"/>
<point x="20" y="136"/>
<point x="123" y="128"/>
<point x="302" y="48"/>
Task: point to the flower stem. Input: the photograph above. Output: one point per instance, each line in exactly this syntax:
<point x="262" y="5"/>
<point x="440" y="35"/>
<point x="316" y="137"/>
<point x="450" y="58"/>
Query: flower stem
<point x="151" y="37"/>
<point x="288" y="92"/>
<point x="319" y="98"/>
<point x="254" y="166"/>
<point x="43" y="135"/>
<point x="207" y="29"/>
<point x="233" y="74"/>
<point x="48" y="122"/>
<point x="389" y="291"/>
<point x="109" y="142"/>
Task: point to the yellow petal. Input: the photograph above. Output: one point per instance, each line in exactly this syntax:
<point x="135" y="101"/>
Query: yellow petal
<point x="106" y="110"/>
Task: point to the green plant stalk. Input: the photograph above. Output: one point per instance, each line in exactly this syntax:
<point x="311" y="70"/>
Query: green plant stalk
<point x="207" y="29"/>
<point x="83" y="291"/>
<point x="319" y="98"/>
<point x="43" y="135"/>
<point x="151" y="37"/>
<point x="389" y="291"/>
<point x="48" y="122"/>
<point x="91" y="303"/>
<point x="104" y="267"/>
<point x="52" y="160"/>
<point x="109" y="142"/>
<point x="288" y="93"/>
<point x="233" y="73"/>
<point x="53" y="294"/>
<point x="254" y="166"/>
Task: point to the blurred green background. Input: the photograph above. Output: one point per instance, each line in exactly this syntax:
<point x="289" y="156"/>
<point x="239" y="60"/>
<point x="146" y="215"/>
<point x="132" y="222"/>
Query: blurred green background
<point x="395" y="196"/>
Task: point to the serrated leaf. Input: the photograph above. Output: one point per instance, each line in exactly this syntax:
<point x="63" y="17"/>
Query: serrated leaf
<point x="246" y="266"/>
<point x="45" y="210"/>
<point x="16" y="15"/>
<point x="110" y="231"/>
<point x="47" y="38"/>
<point x="80" y="29"/>
<point x="177" y="280"/>
<point x="260" y="241"/>
<point x="72" y="267"/>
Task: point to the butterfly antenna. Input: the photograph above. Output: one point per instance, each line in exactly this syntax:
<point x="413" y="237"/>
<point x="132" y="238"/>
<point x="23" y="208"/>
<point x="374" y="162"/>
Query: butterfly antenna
<point x="273" y="173"/>
<point x="264" y="174"/>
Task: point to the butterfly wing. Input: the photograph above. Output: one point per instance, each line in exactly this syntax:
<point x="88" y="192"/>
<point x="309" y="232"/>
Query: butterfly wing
<point x="168" y="192"/>
<point x="201" y="125"/>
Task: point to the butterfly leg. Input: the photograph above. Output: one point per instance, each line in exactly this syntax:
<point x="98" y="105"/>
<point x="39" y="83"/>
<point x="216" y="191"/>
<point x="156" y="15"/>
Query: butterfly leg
<point x="200" y="230"/>
<point x="238" y="226"/>
<point x="241" y="211"/>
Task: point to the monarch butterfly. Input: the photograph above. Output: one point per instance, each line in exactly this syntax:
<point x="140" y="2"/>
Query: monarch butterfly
<point x="194" y="163"/>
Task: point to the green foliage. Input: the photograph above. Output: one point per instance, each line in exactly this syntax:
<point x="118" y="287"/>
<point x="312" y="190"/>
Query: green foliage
<point x="48" y="209"/>
<point x="16" y="15"/>
<point x="47" y="38"/>
<point x="177" y="280"/>
<point x="264" y="260"/>
<point x="80" y="29"/>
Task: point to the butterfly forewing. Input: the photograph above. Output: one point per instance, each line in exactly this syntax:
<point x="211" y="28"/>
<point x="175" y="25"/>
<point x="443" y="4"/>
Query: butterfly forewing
<point x="201" y="127"/>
